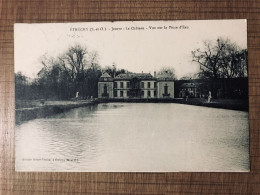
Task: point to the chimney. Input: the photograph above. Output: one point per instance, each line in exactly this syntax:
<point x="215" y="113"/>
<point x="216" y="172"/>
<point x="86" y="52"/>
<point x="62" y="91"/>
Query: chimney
<point x="154" y="74"/>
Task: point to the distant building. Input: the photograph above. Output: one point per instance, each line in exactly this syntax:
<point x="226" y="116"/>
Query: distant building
<point x="191" y="89"/>
<point x="136" y="85"/>
<point x="234" y="88"/>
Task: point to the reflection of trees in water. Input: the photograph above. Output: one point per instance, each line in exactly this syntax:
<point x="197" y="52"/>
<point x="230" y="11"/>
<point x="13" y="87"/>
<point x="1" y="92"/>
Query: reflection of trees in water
<point x="77" y="113"/>
<point x="84" y="113"/>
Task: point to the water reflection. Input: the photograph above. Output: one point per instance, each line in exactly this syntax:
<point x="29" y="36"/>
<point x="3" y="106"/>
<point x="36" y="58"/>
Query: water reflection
<point x="136" y="137"/>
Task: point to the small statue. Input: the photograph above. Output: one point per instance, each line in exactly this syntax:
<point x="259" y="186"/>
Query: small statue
<point x="186" y="95"/>
<point x="77" y="95"/>
<point x="209" y="97"/>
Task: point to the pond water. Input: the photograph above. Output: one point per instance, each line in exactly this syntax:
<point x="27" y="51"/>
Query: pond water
<point x="135" y="137"/>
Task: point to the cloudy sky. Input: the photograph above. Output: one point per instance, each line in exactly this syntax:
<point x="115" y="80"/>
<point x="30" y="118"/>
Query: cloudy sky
<point x="134" y="46"/>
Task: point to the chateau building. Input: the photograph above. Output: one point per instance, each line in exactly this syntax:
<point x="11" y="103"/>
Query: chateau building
<point x="190" y="89"/>
<point x="136" y="85"/>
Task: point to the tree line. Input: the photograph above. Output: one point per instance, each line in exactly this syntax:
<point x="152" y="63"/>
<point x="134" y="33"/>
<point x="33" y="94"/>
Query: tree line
<point x="224" y="67"/>
<point x="221" y="59"/>
<point x="61" y="77"/>
<point x="78" y="70"/>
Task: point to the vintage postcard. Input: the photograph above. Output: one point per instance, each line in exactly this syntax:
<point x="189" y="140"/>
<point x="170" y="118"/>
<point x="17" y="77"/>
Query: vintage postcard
<point x="133" y="96"/>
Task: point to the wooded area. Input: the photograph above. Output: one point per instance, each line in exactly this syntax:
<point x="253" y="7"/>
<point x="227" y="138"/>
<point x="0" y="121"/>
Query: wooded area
<point x="44" y="11"/>
<point x="61" y="77"/>
<point x="77" y="70"/>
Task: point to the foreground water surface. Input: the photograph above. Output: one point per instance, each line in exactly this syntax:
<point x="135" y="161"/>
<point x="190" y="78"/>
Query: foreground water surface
<point x="135" y="137"/>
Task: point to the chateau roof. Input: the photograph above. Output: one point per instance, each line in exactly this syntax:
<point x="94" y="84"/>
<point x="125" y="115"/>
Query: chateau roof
<point x="190" y="85"/>
<point x="105" y="75"/>
<point x="141" y="76"/>
<point x="164" y="76"/>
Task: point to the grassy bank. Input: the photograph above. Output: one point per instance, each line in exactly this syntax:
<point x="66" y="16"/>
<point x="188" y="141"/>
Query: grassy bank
<point x="36" y="109"/>
<point x="232" y="104"/>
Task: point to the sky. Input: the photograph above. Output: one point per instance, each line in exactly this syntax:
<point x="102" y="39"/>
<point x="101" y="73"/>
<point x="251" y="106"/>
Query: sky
<point x="139" y="46"/>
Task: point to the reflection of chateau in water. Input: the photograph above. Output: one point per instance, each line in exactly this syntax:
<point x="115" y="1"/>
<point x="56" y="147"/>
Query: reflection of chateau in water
<point x="136" y="85"/>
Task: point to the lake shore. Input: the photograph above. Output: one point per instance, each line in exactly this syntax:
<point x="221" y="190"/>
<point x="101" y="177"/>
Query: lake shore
<point x="28" y="110"/>
<point x="35" y="109"/>
<point x="232" y="104"/>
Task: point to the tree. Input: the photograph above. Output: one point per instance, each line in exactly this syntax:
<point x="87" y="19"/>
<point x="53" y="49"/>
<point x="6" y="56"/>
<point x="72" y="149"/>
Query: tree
<point x="73" y="63"/>
<point x="21" y="86"/>
<point x="190" y="76"/>
<point x="110" y="70"/>
<point x="76" y="70"/>
<point x="24" y="87"/>
<point x="234" y="63"/>
<point x="167" y="71"/>
<point x="222" y="59"/>
<point x="113" y="71"/>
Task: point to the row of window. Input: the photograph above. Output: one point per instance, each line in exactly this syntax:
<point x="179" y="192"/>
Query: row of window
<point x="148" y="85"/>
<point x="142" y="93"/>
<point x="121" y="93"/>
<point x="148" y="92"/>
<point x="121" y="84"/>
<point x="189" y="89"/>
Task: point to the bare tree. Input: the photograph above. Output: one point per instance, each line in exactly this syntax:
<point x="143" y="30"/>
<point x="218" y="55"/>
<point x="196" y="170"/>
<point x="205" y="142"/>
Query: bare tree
<point x="222" y="59"/>
<point x="77" y="69"/>
<point x="234" y="62"/>
<point x="190" y="76"/>
<point x="73" y="61"/>
<point x="167" y="71"/>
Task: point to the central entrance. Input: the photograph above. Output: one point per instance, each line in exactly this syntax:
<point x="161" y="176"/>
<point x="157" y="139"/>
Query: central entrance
<point x="135" y="88"/>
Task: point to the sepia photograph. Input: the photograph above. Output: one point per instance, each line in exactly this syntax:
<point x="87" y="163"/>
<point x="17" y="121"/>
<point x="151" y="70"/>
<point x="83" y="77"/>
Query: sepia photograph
<point x="132" y="96"/>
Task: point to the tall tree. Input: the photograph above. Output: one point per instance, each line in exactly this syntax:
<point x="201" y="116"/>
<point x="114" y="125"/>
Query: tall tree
<point x="76" y="70"/>
<point x="114" y="71"/>
<point x="21" y="86"/>
<point x="190" y="76"/>
<point x="167" y="71"/>
<point x="222" y="59"/>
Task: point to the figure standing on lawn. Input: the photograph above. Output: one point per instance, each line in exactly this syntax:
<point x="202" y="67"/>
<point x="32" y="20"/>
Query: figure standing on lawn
<point x="209" y="96"/>
<point x="77" y="95"/>
<point x="186" y="95"/>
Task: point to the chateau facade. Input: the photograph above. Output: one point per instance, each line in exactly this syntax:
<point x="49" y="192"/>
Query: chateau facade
<point x="136" y="85"/>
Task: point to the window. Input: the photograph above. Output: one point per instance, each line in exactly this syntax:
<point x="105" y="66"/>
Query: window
<point x="115" y="93"/>
<point x="127" y="93"/>
<point x="149" y="85"/>
<point x="121" y="93"/>
<point x="142" y="84"/>
<point x="149" y="93"/>
<point x="155" y="84"/>
<point x="166" y="89"/>
<point x="115" y="84"/>
<point x="105" y="89"/>
<point x="142" y="93"/>
<point x="128" y="85"/>
<point x="155" y="93"/>
<point x="121" y="85"/>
